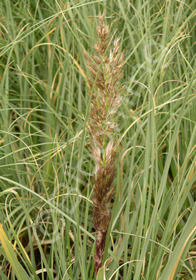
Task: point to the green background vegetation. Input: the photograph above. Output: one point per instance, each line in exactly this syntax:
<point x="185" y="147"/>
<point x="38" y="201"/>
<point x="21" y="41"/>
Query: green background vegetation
<point x="46" y="171"/>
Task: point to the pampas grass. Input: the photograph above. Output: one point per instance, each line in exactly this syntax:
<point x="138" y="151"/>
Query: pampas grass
<point x="46" y="220"/>
<point x="105" y="72"/>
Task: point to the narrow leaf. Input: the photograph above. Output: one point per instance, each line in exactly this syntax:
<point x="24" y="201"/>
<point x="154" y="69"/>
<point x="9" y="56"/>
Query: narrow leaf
<point x="10" y="253"/>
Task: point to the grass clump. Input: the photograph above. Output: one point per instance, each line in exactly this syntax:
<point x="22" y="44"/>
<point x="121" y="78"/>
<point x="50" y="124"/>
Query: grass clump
<point x="75" y="152"/>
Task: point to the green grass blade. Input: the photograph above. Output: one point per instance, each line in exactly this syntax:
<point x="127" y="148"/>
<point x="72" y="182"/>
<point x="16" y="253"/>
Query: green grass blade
<point x="11" y="256"/>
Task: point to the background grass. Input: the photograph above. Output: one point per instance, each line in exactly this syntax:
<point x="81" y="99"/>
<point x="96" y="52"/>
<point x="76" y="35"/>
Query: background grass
<point x="46" y="172"/>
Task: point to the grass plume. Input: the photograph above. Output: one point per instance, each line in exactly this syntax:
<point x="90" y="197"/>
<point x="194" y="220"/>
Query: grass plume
<point x="105" y="72"/>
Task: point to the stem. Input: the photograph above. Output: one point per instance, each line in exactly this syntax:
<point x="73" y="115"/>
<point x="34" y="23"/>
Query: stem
<point x="100" y="246"/>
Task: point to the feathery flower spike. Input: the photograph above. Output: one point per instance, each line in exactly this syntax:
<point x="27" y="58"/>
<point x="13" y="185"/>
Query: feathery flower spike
<point x="105" y="72"/>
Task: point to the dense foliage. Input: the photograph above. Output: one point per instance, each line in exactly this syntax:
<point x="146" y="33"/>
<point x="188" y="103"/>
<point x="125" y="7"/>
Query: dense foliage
<point x="46" y="169"/>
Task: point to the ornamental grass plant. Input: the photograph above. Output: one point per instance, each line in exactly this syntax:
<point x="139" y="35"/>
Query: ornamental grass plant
<point x="97" y="147"/>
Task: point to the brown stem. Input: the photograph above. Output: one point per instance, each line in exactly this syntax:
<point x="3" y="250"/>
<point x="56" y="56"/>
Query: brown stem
<point x="100" y="245"/>
<point x="101" y="217"/>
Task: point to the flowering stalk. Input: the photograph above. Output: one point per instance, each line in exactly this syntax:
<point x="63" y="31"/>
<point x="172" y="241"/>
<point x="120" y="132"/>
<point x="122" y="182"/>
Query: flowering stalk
<point x="105" y="72"/>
